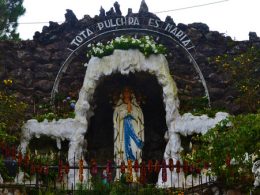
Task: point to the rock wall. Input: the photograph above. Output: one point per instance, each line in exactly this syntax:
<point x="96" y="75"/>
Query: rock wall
<point x="33" y="64"/>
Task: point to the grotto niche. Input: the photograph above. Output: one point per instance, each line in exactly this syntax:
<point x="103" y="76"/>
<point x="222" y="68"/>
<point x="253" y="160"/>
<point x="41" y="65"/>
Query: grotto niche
<point x="149" y="95"/>
<point x="100" y="135"/>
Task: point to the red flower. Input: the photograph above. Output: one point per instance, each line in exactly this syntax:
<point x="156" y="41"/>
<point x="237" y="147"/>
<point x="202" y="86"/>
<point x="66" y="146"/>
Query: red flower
<point x="228" y="159"/>
<point x="60" y="172"/>
<point x="143" y="173"/>
<point x="164" y="172"/>
<point x="13" y="153"/>
<point x="109" y="166"/>
<point x="136" y="166"/>
<point x="129" y="176"/>
<point x="67" y="168"/>
<point x="39" y="168"/>
<point x="150" y="166"/>
<point x="129" y="166"/>
<point x="109" y="170"/>
<point x="178" y="166"/>
<point x="157" y="166"/>
<point x="93" y="168"/>
<point x="185" y="166"/>
<point x="32" y="169"/>
<point x="171" y="165"/>
<point x="206" y="165"/>
<point x="198" y="170"/>
<point x="81" y="170"/>
<point x="26" y="160"/>
<point x="20" y="159"/>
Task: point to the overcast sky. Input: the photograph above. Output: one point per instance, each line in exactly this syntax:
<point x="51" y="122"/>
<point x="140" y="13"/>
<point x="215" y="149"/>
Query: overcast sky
<point x="236" y="18"/>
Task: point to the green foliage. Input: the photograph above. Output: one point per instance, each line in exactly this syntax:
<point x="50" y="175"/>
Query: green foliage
<point x="63" y="108"/>
<point x="145" y="44"/>
<point x="11" y="111"/>
<point x="44" y="168"/>
<point x="244" y="67"/>
<point x="198" y="106"/>
<point x="39" y="161"/>
<point x="10" y="11"/>
<point x="43" y="191"/>
<point x="50" y="116"/>
<point x="5" y="137"/>
<point x="230" y="148"/>
<point x="150" y="189"/>
<point x="12" y="116"/>
<point x="120" y="188"/>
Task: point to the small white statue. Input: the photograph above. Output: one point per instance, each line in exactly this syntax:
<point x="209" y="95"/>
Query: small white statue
<point x="256" y="171"/>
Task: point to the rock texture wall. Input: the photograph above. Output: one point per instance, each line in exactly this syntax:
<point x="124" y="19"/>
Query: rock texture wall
<point x="33" y="64"/>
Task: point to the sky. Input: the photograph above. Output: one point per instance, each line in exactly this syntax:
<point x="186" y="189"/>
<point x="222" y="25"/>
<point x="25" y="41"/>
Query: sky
<point x="234" y="18"/>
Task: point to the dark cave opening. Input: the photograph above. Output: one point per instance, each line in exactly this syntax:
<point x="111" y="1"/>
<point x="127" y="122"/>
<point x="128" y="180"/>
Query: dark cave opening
<point x="100" y="130"/>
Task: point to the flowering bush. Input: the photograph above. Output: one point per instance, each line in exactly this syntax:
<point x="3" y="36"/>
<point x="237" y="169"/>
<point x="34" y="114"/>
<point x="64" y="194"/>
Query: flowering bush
<point x="230" y="149"/>
<point x="40" y="164"/>
<point x="145" y="44"/>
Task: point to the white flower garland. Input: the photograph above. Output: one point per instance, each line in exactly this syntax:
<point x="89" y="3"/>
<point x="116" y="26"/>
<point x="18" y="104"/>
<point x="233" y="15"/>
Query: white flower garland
<point x="145" y="44"/>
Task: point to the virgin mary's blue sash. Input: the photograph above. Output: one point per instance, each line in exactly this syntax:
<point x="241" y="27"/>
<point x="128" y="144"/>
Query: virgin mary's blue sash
<point x="130" y="133"/>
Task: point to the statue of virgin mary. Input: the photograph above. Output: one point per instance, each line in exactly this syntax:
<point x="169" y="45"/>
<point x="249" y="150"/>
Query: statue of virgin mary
<point x="128" y="128"/>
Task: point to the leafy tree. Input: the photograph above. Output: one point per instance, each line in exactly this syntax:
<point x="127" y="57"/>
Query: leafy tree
<point x="10" y="11"/>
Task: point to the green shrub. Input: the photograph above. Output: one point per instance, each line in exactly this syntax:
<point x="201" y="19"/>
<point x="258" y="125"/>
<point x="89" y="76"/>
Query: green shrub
<point x="230" y="148"/>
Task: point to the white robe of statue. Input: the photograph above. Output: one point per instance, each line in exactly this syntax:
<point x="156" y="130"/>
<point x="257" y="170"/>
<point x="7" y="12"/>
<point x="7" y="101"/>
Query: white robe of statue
<point x="128" y="144"/>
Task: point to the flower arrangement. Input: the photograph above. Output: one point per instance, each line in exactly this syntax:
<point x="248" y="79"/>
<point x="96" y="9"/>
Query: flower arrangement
<point x="63" y="108"/>
<point x="144" y="44"/>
